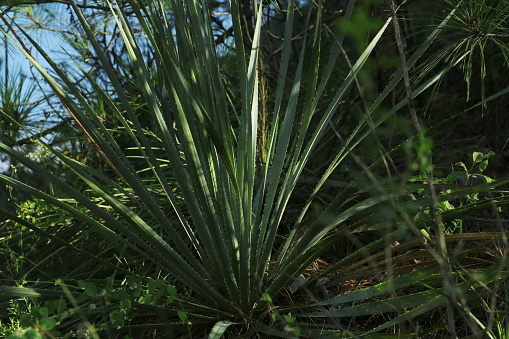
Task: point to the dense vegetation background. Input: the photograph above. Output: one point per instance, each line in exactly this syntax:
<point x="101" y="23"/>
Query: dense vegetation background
<point x="254" y="169"/>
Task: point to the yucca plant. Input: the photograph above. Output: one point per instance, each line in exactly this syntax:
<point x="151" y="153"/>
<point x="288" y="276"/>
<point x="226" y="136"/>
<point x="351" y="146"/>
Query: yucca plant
<point x="202" y="244"/>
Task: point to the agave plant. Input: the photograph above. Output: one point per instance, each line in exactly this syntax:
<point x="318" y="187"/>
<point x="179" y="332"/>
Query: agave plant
<point x="202" y="242"/>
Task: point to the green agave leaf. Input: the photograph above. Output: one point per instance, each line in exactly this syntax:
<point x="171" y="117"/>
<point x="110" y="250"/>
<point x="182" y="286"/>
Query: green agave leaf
<point x="385" y="287"/>
<point x="379" y="307"/>
<point x="8" y="292"/>
<point x="431" y="304"/>
<point x="219" y="329"/>
<point x="14" y="218"/>
<point x="305" y="241"/>
<point x="129" y="215"/>
<point x="420" y="302"/>
<point x="270" y="222"/>
<point x="181" y="177"/>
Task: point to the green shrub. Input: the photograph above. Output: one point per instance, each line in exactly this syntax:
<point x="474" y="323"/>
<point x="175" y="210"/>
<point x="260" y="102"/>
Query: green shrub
<point x="203" y="244"/>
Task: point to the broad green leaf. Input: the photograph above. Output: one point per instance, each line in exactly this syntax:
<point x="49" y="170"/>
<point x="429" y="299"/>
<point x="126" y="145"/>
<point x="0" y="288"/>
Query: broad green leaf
<point x="47" y="324"/>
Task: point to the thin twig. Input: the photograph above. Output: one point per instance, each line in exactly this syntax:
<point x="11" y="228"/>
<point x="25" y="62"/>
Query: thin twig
<point x="404" y="66"/>
<point x="441" y="245"/>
